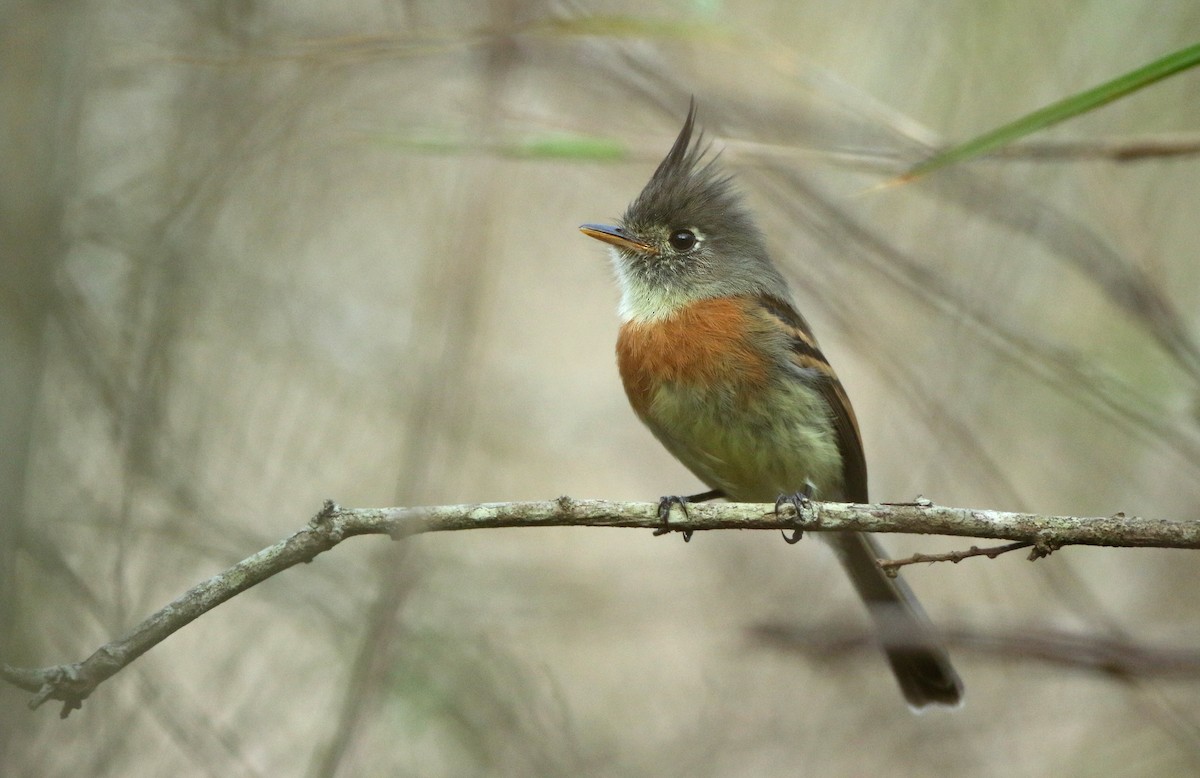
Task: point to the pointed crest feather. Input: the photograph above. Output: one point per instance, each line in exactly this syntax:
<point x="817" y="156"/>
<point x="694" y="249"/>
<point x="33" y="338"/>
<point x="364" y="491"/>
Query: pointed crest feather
<point x="683" y="186"/>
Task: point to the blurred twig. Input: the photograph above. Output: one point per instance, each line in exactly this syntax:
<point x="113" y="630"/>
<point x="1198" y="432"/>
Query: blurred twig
<point x="1098" y="652"/>
<point x="880" y="159"/>
<point x="72" y="683"/>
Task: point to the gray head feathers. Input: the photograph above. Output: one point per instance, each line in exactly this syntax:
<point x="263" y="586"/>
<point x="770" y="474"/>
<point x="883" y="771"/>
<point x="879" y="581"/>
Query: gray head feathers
<point x="687" y="195"/>
<point x="687" y="192"/>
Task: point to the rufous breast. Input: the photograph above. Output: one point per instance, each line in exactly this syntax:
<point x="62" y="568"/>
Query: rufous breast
<point x="706" y="344"/>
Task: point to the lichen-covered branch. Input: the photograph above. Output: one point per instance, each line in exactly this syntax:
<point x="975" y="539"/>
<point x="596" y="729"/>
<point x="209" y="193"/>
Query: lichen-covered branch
<point x="73" y="683"/>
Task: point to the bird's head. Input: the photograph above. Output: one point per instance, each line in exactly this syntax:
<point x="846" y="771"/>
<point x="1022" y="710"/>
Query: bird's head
<point x="686" y="237"/>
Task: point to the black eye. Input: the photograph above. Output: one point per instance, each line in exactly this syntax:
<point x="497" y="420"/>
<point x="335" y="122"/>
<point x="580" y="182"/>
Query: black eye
<point x="682" y="240"/>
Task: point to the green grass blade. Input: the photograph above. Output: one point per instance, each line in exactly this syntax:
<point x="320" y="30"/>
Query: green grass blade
<point x="1063" y="109"/>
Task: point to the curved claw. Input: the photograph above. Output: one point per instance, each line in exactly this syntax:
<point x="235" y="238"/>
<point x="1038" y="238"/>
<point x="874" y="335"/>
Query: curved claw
<point x="664" y="510"/>
<point x="664" y="514"/>
<point x="799" y="501"/>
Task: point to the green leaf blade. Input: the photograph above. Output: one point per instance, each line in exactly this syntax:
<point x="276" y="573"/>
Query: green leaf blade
<point x="1066" y="108"/>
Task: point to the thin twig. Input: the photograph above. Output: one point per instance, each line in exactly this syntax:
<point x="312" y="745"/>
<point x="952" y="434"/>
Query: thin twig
<point x="892" y="566"/>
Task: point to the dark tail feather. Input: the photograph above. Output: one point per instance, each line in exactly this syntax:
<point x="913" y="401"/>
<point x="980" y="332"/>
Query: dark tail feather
<point x="918" y="658"/>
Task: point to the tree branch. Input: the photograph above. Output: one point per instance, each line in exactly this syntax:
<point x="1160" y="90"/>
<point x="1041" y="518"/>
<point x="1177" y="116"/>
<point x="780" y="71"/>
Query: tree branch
<point x="72" y="683"/>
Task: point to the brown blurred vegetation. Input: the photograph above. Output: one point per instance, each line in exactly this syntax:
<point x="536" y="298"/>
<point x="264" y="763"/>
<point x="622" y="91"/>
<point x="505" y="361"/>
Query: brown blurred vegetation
<point x="254" y="255"/>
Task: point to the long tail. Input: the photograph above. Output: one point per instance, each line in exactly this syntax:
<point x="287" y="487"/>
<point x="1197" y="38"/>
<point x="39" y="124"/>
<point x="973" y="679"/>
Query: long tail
<point x="918" y="658"/>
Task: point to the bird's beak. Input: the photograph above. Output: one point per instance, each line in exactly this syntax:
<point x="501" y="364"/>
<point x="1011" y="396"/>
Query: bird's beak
<point x="618" y="237"/>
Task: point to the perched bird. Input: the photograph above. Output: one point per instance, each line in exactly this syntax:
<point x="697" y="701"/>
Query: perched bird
<point x="726" y="373"/>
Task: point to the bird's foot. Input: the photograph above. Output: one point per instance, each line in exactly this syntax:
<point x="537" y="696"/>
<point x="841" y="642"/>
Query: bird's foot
<point x="664" y="510"/>
<point x="799" y="501"/>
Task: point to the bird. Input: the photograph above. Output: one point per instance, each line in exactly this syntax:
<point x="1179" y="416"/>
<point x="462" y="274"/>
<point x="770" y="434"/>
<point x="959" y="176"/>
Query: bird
<point x="719" y="364"/>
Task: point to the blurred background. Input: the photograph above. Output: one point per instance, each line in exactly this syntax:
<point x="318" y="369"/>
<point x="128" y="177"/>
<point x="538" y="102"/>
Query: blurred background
<point x="258" y="254"/>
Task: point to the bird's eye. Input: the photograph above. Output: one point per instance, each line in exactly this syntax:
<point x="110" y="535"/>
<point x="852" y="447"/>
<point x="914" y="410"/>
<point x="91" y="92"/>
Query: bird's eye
<point x="682" y="240"/>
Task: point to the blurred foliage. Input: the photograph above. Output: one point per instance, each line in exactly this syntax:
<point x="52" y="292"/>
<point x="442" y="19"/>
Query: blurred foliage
<point x="1064" y="109"/>
<point x="258" y="255"/>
